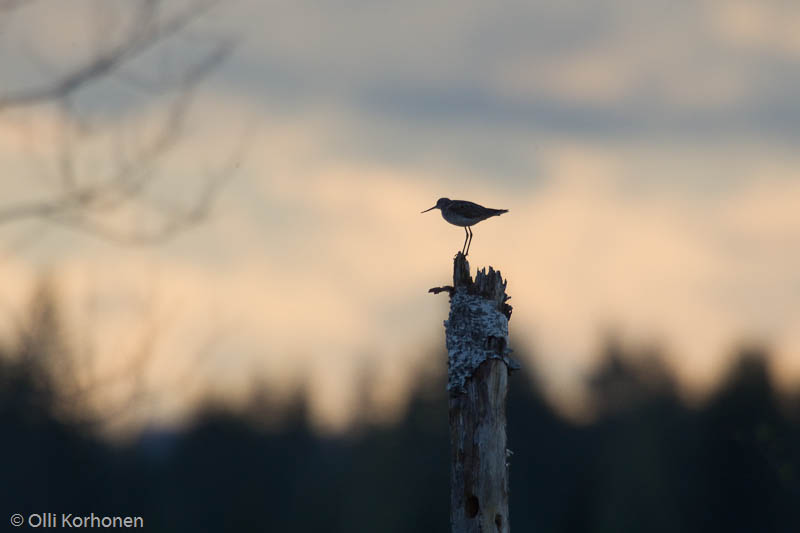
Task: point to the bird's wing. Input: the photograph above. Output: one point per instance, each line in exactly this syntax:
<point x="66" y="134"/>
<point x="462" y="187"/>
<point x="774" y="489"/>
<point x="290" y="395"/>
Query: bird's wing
<point x="468" y="209"/>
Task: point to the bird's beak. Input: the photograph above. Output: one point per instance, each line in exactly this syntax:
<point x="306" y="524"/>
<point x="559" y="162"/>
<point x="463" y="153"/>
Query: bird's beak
<point x="434" y="207"/>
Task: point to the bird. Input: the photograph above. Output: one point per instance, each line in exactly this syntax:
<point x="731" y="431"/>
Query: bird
<point x="465" y="214"/>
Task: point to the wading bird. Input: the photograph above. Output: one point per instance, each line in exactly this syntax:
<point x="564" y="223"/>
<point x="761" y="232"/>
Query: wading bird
<point x="464" y="214"/>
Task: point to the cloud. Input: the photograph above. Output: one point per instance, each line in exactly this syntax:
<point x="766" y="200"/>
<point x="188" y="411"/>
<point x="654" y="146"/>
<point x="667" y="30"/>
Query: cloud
<point x="646" y="153"/>
<point x="671" y="262"/>
<point x="767" y="27"/>
<point x="611" y="69"/>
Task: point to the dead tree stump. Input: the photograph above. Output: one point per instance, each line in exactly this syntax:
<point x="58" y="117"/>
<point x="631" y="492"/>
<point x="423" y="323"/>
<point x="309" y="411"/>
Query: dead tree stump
<point x="478" y="367"/>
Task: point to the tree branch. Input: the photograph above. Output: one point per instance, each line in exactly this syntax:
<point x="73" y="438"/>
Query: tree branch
<point x="84" y="203"/>
<point x="146" y="34"/>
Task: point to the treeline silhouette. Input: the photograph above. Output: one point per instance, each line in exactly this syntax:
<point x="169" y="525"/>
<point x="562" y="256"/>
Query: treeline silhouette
<point x="646" y="463"/>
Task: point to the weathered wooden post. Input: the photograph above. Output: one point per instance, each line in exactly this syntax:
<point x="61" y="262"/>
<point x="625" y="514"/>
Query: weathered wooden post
<point x="478" y="367"/>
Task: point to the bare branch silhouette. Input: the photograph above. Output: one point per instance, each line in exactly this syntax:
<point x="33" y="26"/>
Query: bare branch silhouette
<point x="90" y="202"/>
<point x="147" y="32"/>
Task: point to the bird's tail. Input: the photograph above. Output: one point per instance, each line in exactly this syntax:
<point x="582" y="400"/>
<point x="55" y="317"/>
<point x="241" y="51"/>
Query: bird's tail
<point x="496" y="212"/>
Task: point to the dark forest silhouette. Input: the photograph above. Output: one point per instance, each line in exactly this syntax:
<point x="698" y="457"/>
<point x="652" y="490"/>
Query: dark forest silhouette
<point x="646" y="463"/>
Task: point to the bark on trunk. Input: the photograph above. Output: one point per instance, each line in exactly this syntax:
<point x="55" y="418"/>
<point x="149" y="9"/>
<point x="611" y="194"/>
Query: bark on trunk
<point x="478" y="367"/>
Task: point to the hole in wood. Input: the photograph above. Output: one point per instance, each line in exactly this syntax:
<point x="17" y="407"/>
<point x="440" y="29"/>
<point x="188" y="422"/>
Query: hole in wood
<point x="498" y="521"/>
<point x="495" y="344"/>
<point x="472" y="506"/>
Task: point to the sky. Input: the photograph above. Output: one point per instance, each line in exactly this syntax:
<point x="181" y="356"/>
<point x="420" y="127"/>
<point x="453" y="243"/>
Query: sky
<point x="646" y="152"/>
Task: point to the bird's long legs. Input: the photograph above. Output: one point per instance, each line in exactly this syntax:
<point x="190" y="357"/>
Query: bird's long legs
<point x="466" y="237"/>
<point x="467" y="240"/>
